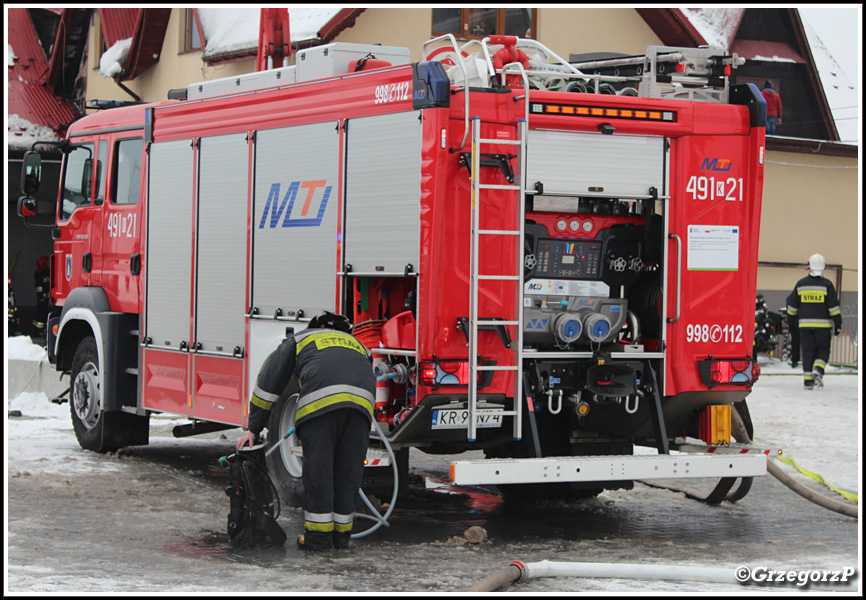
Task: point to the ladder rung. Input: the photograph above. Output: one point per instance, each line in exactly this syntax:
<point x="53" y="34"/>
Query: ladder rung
<point x="503" y="413"/>
<point x="503" y="142"/>
<point x="497" y="232"/>
<point x="497" y="368"/>
<point x="483" y="322"/>
<point x="485" y="186"/>
<point x="499" y="277"/>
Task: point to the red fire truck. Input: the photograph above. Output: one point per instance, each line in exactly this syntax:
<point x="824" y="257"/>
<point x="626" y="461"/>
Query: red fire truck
<point x="554" y="263"/>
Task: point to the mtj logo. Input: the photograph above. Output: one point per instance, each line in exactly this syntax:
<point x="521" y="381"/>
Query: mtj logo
<point x="313" y="197"/>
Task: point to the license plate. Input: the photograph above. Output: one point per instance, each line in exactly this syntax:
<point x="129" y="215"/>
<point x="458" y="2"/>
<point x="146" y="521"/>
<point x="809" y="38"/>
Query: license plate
<point x="458" y="418"/>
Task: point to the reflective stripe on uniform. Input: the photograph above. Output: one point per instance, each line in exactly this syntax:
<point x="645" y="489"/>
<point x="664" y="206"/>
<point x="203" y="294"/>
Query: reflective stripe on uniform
<point x="819" y="364"/>
<point x="826" y="323"/>
<point x="318" y="521"/>
<point x="330" y="400"/>
<point x="311" y="526"/>
<point x="331" y="339"/>
<point x="334" y="394"/>
<point x="265" y="396"/>
<point x="343" y="523"/>
<point x="263" y="404"/>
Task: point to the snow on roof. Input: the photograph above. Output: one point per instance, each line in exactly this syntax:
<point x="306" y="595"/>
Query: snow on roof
<point x="841" y="94"/>
<point x="717" y="25"/>
<point x="22" y="133"/>
<point x="229" y="30"/>
<point x="113" y="60"/>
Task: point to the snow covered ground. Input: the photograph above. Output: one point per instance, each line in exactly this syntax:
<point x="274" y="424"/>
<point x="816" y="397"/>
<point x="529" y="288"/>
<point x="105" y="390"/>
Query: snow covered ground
<point x="820" y="430"/>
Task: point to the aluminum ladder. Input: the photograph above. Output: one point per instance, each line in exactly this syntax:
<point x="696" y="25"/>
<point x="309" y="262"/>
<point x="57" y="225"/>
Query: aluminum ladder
<point x="478" y="232"/>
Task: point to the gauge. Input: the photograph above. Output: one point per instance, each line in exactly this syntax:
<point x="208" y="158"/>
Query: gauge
<point x="575" y="225"/>
<point x="561" y="225"/>
<point x="587" y="225"/>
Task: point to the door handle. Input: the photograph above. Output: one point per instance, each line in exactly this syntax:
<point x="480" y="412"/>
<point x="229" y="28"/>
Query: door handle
<point x="679" y="274"/>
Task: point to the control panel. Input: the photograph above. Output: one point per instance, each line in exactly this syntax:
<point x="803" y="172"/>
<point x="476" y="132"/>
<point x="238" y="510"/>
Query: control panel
<point x="568" y="258"/>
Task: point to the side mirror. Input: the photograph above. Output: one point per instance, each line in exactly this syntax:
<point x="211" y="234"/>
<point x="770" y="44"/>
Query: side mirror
<point x="27" y="207"/>
<point x="31" y="173"/>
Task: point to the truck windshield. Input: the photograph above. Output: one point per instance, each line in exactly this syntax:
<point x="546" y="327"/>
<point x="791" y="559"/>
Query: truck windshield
<point x="77" y="181"/>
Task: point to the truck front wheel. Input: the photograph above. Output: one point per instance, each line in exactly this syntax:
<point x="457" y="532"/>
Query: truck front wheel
<point x="96" y="428"/>
<point x="88" y="418"/>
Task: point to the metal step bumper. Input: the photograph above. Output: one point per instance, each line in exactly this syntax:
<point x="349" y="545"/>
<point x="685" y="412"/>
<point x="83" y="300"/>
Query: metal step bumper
<point x="606" y="468"/>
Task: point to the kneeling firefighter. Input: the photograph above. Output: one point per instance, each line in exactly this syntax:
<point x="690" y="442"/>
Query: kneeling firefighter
<point x="332" y="421"/>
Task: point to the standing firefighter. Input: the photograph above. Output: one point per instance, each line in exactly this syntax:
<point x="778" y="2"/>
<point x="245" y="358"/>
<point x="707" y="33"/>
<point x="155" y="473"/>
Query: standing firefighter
<point x="816" y="308"/>
<point x="335" y="409"/>
<point x="42" y="286"/>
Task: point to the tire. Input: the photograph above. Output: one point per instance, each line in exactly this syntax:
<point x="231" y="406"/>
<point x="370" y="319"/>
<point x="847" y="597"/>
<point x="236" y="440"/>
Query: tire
<point x="285" y="467"/>
<point x="95" y="428"/>
<point x="85" y="400"/>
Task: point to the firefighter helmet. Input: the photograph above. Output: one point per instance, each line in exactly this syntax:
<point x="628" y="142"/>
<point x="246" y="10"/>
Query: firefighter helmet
<point x="328" y="320"/>
<point x="816" y="265"/>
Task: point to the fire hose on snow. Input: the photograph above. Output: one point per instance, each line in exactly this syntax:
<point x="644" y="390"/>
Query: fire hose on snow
<point x="777" y="472"/>
<point x="518" y="572"/>
<point x="740" y="433"/>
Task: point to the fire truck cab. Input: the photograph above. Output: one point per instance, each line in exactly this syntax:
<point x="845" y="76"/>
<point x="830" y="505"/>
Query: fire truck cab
<point x="554" y="263"/>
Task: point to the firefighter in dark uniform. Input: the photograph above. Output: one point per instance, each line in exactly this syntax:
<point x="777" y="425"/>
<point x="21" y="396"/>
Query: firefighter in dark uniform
<point x="816" y="308"/>
<point x="332" y="421"/>
<point x="42" y="286"/>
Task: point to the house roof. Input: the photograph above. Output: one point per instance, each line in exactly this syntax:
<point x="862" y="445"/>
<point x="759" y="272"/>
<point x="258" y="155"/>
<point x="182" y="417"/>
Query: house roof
<point x="34" y="112"/>
<point x="118" y="24"/>
<point x="233" y="33"/>
<point x="719" y="27"/>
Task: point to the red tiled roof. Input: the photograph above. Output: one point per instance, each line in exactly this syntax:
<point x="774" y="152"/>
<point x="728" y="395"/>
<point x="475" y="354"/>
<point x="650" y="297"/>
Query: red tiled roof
<point x="118" y="24"/>
<point x="27" y="96"/>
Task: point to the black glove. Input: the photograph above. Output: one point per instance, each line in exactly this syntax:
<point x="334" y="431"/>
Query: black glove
<point x="837" y="330"/>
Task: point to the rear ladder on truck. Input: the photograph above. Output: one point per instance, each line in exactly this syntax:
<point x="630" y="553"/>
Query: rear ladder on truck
<point x="701" y="461"/>
<point x="477" y="279"/>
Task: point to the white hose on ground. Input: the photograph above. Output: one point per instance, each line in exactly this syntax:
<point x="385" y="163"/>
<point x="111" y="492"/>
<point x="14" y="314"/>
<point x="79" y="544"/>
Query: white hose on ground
<point x="739" y="431"/>
<point x="519" y="572"/>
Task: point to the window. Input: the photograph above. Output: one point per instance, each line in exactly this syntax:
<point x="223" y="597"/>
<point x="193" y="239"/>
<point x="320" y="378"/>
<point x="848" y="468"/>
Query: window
<point x="78" y="180"/>
<point x="126" y="179"/>
<point x="101" y="163"/>
<point x="477" y="23"/>
<point x="192" y="36"/>
<point x="97" y="41"/>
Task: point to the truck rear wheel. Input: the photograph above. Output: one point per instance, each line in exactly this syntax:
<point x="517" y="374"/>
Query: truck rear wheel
<point x="284" y="466"/>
